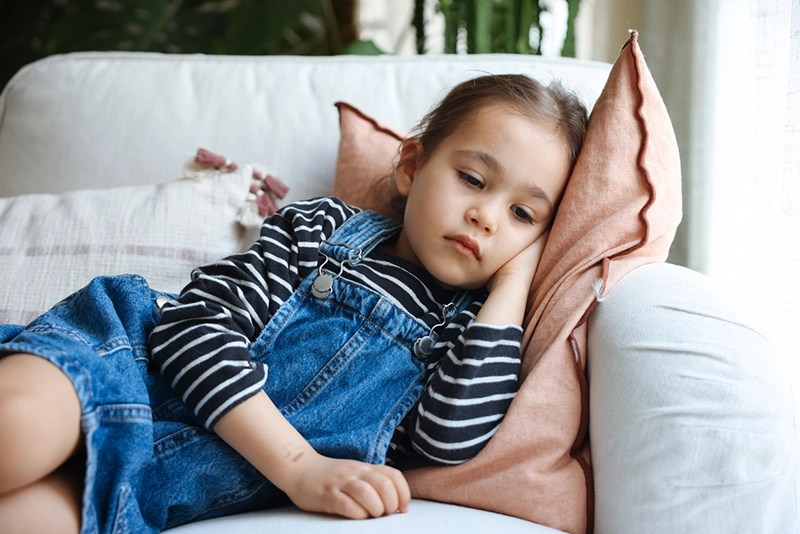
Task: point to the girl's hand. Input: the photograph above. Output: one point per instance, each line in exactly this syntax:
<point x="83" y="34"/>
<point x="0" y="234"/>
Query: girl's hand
<point x="348" y="488"/>
<point x="260" y="433"/>
<point x="509" y="287"/>
<point x="521" y="267"/>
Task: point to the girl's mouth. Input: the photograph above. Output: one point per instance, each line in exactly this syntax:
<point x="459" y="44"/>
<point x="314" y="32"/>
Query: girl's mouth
<point x="465" y="245"/>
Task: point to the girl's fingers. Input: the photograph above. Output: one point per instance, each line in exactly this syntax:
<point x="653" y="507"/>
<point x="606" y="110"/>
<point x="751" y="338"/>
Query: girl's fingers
<point x="366" y="496"/>
<point x="351" y="489"/>
<point x="386" y="488"/>
<point x="380" y="490"/>
<point x="401" y="487"/>
<point x="346" y="506"/>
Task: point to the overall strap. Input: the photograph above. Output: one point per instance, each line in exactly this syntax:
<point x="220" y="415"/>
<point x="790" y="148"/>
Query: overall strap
<point x="358" y="235"/>
<point x="465" y="297"/>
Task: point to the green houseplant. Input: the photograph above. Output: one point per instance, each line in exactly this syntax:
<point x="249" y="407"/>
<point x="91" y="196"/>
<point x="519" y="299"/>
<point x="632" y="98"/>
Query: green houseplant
<point x="493" y="25"/>
<point x="33" y="29"/>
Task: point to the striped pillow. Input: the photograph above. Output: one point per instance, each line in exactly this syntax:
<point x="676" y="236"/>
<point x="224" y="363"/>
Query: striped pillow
<point x="52" y="245"/>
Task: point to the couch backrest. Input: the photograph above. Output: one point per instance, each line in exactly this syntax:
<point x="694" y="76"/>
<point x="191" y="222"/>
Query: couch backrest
<point x="102" y="119"/>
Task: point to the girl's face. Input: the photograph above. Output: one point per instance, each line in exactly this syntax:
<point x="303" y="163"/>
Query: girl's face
<point x="486" y="193"/>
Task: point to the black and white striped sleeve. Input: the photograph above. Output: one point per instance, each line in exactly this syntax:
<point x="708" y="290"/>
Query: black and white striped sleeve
<point x="468" y="393"/>
<point x="201" y="344"/>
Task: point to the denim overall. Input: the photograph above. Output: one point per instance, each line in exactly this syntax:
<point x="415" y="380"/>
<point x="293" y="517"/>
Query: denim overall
<point x="341" y="370"/>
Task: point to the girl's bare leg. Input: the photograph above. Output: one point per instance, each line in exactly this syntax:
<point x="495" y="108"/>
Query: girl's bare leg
<point x="51" y="505"/>
<point x="39" y="431"/>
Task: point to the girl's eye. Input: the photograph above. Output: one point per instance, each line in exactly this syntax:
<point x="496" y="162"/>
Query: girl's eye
<point x="470" y="180"/>
<point x="522" y="215"/>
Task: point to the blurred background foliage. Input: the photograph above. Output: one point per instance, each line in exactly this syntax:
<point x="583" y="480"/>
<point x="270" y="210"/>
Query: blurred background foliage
<point x="492" y="26"/>
<point x="33" y="29"/>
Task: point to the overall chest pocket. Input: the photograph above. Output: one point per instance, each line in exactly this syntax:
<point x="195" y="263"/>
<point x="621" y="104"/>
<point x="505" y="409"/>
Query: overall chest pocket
<point x="334" y="353"/>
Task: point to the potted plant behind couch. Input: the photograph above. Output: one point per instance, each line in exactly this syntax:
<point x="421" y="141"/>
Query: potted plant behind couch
<point x="487" y="26"/>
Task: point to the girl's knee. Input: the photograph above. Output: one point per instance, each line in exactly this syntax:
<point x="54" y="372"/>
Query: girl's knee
<point x="39" y="420"/>
<point x="50" y="505"/>
<point x="36" y="384"/>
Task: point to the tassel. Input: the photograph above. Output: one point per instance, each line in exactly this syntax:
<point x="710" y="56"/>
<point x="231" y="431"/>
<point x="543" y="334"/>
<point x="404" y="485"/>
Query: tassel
<point x="266" y="205"/>
<point x="207" y="158"/>
<point x="278" y="188"/>
<point x="266" y="189"/>
<point x="248" y="215"/>
<point x="598" y="285"/>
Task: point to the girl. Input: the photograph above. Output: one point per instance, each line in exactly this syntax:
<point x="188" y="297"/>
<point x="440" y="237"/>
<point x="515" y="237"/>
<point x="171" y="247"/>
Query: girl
<point x="339" y="342"/>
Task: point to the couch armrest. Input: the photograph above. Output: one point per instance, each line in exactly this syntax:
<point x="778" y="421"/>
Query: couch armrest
<point x="691" y="413"/>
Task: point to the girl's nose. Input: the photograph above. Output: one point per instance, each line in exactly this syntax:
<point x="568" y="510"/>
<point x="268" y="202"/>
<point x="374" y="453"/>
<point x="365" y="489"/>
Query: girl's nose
<point x="483" y="217"/>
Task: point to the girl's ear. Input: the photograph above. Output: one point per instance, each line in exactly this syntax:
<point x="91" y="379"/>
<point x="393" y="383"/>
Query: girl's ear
<point x="410" y="157"/>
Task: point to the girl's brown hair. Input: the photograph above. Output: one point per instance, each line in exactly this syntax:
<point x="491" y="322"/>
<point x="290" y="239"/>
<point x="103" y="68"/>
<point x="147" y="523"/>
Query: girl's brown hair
<point x="550" y="105"/>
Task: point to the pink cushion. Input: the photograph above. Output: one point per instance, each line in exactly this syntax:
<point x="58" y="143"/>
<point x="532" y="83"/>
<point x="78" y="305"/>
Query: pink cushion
<point x="620" y="210"/>
<point x="365" y="164"/>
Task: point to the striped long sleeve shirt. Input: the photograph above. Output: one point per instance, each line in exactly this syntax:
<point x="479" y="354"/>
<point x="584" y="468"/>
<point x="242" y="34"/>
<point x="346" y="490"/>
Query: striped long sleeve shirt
<point x="201" y="344"/>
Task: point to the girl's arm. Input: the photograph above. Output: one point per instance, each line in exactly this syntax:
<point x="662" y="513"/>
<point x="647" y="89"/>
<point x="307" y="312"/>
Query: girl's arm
<point x="509" y="287"/>
<point x="201" y="344"/>
<point x="476" y="379"/>
<point x="258" y="431"/>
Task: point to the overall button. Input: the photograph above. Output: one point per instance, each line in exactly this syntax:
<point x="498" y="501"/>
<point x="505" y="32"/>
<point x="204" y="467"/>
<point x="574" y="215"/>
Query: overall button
<point x="321" y="287"/>
<point x="423" y="347"/>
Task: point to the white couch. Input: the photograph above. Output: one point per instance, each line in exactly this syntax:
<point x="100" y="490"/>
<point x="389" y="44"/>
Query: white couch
<point x="691" y="419"/>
